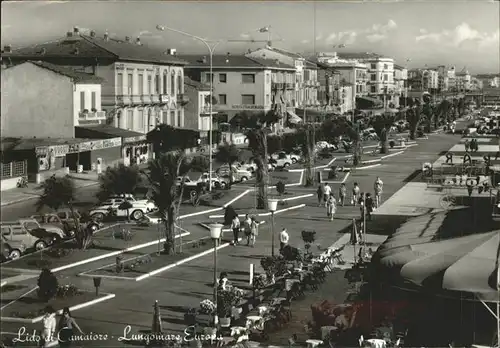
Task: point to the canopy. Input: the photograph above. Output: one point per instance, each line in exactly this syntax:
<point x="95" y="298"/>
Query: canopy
<point x="293" y="118"/>
<point x="468" y="263"/>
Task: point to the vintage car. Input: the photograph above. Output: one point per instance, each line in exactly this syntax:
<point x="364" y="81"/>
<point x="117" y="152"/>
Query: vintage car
<point x="33" y="225"/>
<point x="294" y="158"/>
<point x="17" y="232"/>
<point x="11" y="249"/>
<point x="238" y="172"/>
<point x="111" y="208"/>
<point x="63" y="220"/>
<point x="131" y="198"/>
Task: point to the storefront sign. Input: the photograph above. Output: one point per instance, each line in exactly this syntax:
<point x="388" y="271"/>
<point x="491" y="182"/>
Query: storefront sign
<point x="59" y="150"/>
<point x="100" y="144"/>
<point x="248" y="107"/>
<point x="42" y="151"/>
<point x="134" y="139"/>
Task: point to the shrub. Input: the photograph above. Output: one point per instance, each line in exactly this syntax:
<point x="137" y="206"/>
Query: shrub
<point x="333" y="173"/>
<point x="66" y="291"/>
<point x="280" y="187"/>
<point x="229" y="215"/>
<point x="47" y="285"/>
<point x="226" y="299"/>
<point x="392" y="143"/>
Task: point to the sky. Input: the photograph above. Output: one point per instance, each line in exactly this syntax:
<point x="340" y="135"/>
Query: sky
<point x="426" y="32"/>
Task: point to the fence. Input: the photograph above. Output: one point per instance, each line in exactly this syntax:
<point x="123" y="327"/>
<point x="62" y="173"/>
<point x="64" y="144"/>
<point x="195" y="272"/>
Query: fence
<point x="13" y="169"/>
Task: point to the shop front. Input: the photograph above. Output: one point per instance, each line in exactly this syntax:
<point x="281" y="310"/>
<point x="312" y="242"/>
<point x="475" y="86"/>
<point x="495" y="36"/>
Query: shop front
<point x="135" y="150"/>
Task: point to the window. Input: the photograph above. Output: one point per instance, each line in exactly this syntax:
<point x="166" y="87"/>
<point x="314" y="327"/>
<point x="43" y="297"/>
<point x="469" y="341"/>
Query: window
<point x="248" y="99"/>
<point x="172" y="118"/>
<point x="373" y="89"/>
<point x="386" y="77"/>
<point x="157" y="84"/>
<point x="373" y="77"/>
<point x="268" y="99"/>
<point x="247" y="78"/>
<point x="165" y="84"/>
<point x="386" y="67"/>
<point x="222" y="99"/>
<point x="207" y="78"/>
<point x="165" y="117"/>
<point x="130" y="119"/>
<point x="5" y="231"/>
<point x="179" y="84"/>
<point x="31" y="225"/>
<point x="148" y="85"/>
<point x="172" y="84"/>
<point x="373" y="66"/>
<point x="179" y="119"/>
<point x="130" y="84"/>
<point x="82" y="100"/>
<point x="141" y="84"/>
<point x="94" y="101"/>
<point x="223" y="78"/>
<point x="140" y="121"/>
<point x="18" y="230"/>
<point x="119" y="83"/>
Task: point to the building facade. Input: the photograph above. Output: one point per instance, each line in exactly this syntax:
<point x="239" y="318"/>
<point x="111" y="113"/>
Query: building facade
<point x="48" y="101"/>
<point x="463" y="81"/>
<point x="197" y="112"/>
<point x="424" y="80"/>
<point x="489" y="80"/>
<point x="142" y="87"/>
<point x="305" y="81"/>
<point x="400" y="82"/>
<point x="244" y="84"/>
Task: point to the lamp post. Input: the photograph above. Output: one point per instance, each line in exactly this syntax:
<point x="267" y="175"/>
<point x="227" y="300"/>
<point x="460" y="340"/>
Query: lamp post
<point x="211" y="45"/>
<point x="215" y="232"/>
<point x="273" y="205"/>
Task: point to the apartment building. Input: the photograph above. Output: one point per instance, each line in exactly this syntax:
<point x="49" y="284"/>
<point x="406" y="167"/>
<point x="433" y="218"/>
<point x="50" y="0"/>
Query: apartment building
<point x="142" y="87"/>
<point x="335" y="94"/>
<point x="424" y="80"/>
<point x="489" y="80"/>
<point x="305" y="78"/>
<point x="197" y="112"/>
<point x="245" y="84"/>
<point x="463" y="81"/>
<point x="400" y="82"/>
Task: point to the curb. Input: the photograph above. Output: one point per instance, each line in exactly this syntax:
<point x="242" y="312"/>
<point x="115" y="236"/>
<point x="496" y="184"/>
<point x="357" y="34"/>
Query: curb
<point x="73" y="308"/>
<point x="265" y="214"/>
<point x="370" y="166"/>
<point x="340" y="181"/>
<point x="372" y="161"/>
<point x="393" y="154"/>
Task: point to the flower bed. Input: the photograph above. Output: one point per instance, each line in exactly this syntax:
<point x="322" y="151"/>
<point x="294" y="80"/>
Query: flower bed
<point x="139" y="265"/>
<point x="30" y="306"/>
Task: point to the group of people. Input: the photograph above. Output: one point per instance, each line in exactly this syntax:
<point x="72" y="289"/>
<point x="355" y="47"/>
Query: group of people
<point x="249" y="226"/>
<point x="366" y="202"/>
<point x="472" y="145"/>
<point x="62" y="331"/>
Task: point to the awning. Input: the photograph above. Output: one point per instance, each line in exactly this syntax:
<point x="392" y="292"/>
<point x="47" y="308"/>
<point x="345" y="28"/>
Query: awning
<point x="367" y="102"/>
<point x="106" y="131"/>
<point x="293" y="118"/>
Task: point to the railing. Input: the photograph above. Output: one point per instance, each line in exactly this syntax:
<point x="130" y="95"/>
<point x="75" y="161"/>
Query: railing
<point x="92" y="115"/>
<point x="13" y="169"/>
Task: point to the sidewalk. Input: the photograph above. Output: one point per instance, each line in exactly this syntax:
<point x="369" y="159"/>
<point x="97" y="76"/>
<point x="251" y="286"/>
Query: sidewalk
<point x="33" y="191"/>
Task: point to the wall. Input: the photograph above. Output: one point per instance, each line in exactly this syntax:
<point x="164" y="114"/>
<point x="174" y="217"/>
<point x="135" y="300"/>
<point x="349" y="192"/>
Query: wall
<point x="203" y="122"/>
<point x="36" y="102"/>
<point x="110" y="156"/>
<point x="8" y="184"/>
<point x="192" y="110"/>
<point x="87" y="89"/>
<point x="380" y="67"/>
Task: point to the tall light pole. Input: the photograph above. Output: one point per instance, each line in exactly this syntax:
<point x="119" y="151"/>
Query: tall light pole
<point x="273" y="205"/>
<point x="215" y="232"/>
<point x="211" y="45"/>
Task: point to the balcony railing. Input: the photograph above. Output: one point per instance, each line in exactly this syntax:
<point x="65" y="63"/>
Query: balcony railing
<point x="95" y="115"/>
<point x="290" y="85"/>
<point x="146" y="98"/>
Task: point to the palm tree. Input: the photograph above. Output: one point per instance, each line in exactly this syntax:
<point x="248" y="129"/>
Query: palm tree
<point x="162" y="174"/>
<point x="167" y="138"/>
<point x="257" y="142"/>
<point x="119" y="180"/>
<point x="228" y="154"/>
<point x="57" y="193"/>
<point x="382" y="124"/>
<point x="413" y="118"/>
<point x="351" y="130"/>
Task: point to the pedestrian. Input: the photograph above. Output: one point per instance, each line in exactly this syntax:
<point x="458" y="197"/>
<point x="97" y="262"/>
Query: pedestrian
<point x="254" y="231"/>
<point x="67" y="326"/>
<point x="284" y="238"/>
<point x="342" y="194"/>
<point x="369" y="206"/>
<point x="331" y="207"/>
<point x="247" y="228"/>
<point x="320" y="192"/>
<point x="355" y="194"/>
<point x="223" y="281"/>
<point x="361" y="202"/>
<point x="377" y="186"/>
<point x="327" y="191"/>
<point x="49" y="326"/>
<point x="235" y="225"/>
<point x="467" y="145"/>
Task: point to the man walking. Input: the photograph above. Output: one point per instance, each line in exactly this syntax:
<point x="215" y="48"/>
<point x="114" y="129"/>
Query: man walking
<point x="284" y="238"/>
<point x="342" y="193"/>
<point x="377" y="186"/>
<point x="327" y="191"/>
<point x="235" y="225"/>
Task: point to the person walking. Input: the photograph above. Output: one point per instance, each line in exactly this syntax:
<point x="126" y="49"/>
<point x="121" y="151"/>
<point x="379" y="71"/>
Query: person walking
<point x="49" y="326"/>
<point x="467" y="145"/>
<point x="355" y="194"/>
<point x="327" y="191"/>
<point x="254" y="231"/>
<point x="369" y="206"/>
<point x="67" y="326"/>
<point x="331" y="207"/>
<point x="235" y="225"/>
<point x="342" y="194"/>
<point x="377" y="186"/>
<point x="284" y="238"/>
<point x="247" y="228"/>
<point x="320" y="192"/>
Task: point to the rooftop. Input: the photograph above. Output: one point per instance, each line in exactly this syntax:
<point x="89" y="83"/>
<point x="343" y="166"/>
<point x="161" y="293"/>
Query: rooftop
<point x="92" y="47"/>
<point x="234" y="61"/>
<point x="76" y="76"/>
<point x="20" y="144"/>
<point x="360" y="55"/>
<point x="195" y="84"/>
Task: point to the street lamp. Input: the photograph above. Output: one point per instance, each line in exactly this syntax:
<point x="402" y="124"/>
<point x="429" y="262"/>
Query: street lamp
<point x="273" y="205"/>
<point x="215" y="232"/>
<point x="211" y="45"/>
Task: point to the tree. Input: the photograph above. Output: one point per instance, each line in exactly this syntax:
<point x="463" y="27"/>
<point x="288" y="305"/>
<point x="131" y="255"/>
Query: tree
<point x="119" y="180"/>
<point x="200" y="163"/>
<point x="429" y="114"/>
<point x="228" y="154"/>
<point x="257" y="143"/>
<point x="274" y="144"/>
<point x="59" y="192"/>
<point x="413" y="118"/>
<point x="305" y="141"/>
<point x="162" y="175"/>
<point x="382" y="124"/>
<point x="167" y="138"/>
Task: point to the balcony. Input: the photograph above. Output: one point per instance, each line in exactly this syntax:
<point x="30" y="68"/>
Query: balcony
<point x="290" y="85"/>
<point x="92" y="115"/>
<point x="276" y="85"/>
<point x="164" y="98"/>
<point x="155" y="98"/>
<point x="182" y="99"/>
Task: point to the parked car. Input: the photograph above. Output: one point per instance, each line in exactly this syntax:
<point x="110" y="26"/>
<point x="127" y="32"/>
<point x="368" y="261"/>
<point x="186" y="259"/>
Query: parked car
<point x="324" y="144"/>
<point x="239" y="173"/>
<point x="16" y="232"/>
<point x="369" y="134"/>
<point x="281" y="155"/>
<point x="33" y="225"/>
<point x="60" y="219"/>
<point x="217" y="181"/>
<point x="281" y="162"/>
<point x="150" y="205"/>
<point x="12" y="249"/>
<point x="109" y="208"/>
<point x="251" y="166"/>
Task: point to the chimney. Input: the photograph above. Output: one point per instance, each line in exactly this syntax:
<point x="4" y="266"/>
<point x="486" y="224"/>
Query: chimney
<point x="7" y="49"/>
<point x="76" y="31"/>
<point x="92" y="33"/>
<point x="106" y="36"/>
<point x="138" y="41"/>
<point x="69" y="34"/>
<point x="204" y="60"/>
<point x="127" y="38"/>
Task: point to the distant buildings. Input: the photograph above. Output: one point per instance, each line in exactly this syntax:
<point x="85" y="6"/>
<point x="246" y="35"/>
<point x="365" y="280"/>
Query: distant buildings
<point x="426" y="79"/>
<point x="489" y="80"/>
<point x="400" y="81"/>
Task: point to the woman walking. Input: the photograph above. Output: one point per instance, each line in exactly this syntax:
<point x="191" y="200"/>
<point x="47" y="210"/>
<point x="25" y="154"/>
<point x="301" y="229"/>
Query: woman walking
<point x="254" y="231"/>
<point x="355" y="194"/>
<point x="247" y="228"/>
<point x="369" y="206"/>
<point x="320" y="194"/>
<point x="67" y="326"/>
<point x="331" y="207"/>
<point x="235" y="225"/>
<point x="342" y="193"/>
